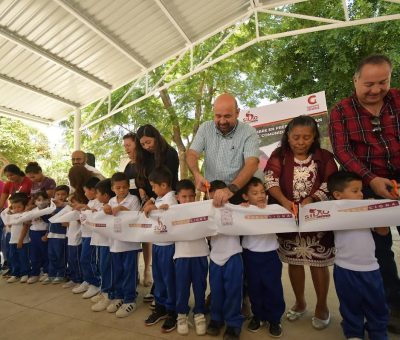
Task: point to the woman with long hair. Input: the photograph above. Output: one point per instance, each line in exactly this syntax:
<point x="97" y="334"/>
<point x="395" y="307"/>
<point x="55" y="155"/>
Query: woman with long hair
<point x="78" y="175"/>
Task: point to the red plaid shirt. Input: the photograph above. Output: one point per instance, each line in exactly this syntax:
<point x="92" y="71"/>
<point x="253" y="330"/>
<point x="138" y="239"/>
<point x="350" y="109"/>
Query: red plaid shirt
<point x="357" y="147"/>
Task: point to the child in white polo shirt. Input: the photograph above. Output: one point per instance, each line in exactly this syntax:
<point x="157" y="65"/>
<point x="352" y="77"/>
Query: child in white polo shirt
<point x="263" y="268"/>
<point x="358" y="281"/>
<point x="124" y="255"/>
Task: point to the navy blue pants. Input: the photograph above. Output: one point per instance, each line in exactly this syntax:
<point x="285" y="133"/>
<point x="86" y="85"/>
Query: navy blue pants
<point x="38" y="252"/>
<point x="105" y="267"/>
<point x="164" y="276"/>
<point x="57" y="256"/>
<point x="124" y="275"/>
<point x="226" y="283"/>
<point x="89" y="267"/>
<point x="191" y="270"/>
<point x="6" y="250"/>
<point x="19" y="259"/>
<point x="74" y="263"/>
<point x="264" y="280"/>
<point x="361" y="295"/>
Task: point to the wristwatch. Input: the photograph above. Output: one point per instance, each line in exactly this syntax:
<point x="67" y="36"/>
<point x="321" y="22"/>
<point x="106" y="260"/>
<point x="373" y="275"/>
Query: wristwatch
<point x="233" y="188"/>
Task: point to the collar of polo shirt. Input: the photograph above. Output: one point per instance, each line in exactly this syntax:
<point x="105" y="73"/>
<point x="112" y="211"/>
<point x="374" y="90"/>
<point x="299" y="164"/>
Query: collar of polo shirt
<point x="230" y="133"/>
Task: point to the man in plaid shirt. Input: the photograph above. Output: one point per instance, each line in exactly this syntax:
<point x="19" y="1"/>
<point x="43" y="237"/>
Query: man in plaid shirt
<point x="365" y="135"/>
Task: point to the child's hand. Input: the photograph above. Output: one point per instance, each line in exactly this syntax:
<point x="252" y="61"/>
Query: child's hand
<point x="306" y="201"/>
<point x="148" y="208"/>
<point x="107" y="209"/>
<point x="20" y="244"/>
<point x="148" y="202"/>
<point x="164" y="207"/>
<point x="115" y="210"/>
<point x="245" y="204"/>
<point x="383" y="231"/>
<point x="262" y="205"/>
<point x="44" y="238"/>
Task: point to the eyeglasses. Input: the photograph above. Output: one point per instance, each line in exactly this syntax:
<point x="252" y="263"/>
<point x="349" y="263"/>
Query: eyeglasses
<point x="376" y="122"/>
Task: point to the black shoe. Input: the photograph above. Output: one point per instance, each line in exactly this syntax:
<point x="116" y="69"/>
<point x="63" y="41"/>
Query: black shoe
<point x="232" y="333"/>
<point x="275" y="330"/>
<point x="214" y="328"/>
<point x="170" y="323"/>
<point x="158" y="314"/>
<point x="394" y="323"/>
<point x="254" y="325"/>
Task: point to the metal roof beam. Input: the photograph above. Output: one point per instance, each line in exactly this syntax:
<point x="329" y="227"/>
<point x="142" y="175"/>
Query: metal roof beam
<point x="299" y="16"/>
<point x="95" y="27"/>
<point x="173" y="21"/>
<point x="37" y="90"/>
<point x="23" y="42"/>
<point x="394" y="1"/>
<point x="5" y="111"/>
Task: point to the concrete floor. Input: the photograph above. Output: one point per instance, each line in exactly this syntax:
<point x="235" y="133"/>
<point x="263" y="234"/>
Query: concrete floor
<point x="50" y="312"/>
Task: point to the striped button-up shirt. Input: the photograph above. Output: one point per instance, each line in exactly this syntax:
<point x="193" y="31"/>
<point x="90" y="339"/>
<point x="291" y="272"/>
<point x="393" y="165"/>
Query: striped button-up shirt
<point x="224" y="155"/>
<point x="365" y="144"/>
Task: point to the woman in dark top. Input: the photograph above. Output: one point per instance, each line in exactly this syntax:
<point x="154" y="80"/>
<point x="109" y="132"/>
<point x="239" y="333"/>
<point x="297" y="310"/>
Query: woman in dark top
<point x="152" y="151"/>
<point x="39" y="181"/>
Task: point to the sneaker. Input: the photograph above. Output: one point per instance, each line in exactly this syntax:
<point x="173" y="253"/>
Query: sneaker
<point x="125" y="310"/>
<point x="83" y="287"/>
<point x="200" y="324"/>
<point x="152" y="305"/>
<point x="148" y="297"/>
<point x="98" y="297"/>
<point x="47" y="280"/>
<point x="157" y="315"/>
<point x="57" y="280"/>
<point x="24" y="279"/>
<point x="275" y="330"/>
<point x="114" y="305"/>
<point x="232" y="333"/>
<point x="102" y="303"/>
<point x="182" y="325"/>
<point x="33" y="279"/>
<point x="5" y="271"/>
<point x="254" y="324"/>
<point x="92" y="291"/>
<point x="68" y="284"/>
<point x="43" y="277"/>
<point x="214" y="328"/>
<point x="170" y="323"/>
<point x="13" y="279"/>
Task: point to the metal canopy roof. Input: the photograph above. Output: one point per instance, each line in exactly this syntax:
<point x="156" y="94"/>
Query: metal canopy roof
<point x="60" y="55"/>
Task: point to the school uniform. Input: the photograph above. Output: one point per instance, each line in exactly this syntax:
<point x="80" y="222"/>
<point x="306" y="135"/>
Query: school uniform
<point x="88" y="260"/>
<point x="359" y="285"/>
<point x="74" y="237"/>
<point x="163" y="266"/>
<point x="38" y="252"/>
<point x="124" y="257"/>
<point x="57" y="248"/>
<point x="191" y="267"/>
<point x="19" y="257"/>
<point x="226" y="280"/>
<point x="263" y="270"/>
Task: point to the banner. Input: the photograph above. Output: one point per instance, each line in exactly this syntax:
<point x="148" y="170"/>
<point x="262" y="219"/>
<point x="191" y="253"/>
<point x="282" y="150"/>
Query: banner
<point x="27" y="215"/>
<point x="67" y="214"/>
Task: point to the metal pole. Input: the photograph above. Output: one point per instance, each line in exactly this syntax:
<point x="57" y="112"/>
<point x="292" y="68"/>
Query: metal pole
<point x="77" y="132"/>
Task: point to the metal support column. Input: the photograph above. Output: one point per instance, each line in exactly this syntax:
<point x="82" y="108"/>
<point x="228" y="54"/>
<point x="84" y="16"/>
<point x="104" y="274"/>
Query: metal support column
<point x="77" y="132"/>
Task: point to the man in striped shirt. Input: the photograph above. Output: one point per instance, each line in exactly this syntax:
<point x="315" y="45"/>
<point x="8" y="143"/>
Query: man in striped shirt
<point x="365" y="135"/>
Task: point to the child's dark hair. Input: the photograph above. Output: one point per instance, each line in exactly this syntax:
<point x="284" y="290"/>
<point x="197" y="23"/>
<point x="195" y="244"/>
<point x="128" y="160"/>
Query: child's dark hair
<point x="254" y="181"/>
<point x="119" y="177"/>
<point x="341" y="179"/>
<point x="104" y="187"/>
<point x="20" y="197"/>
<point x="38" y="194"/>
<point x="91" y="183"/>
<point x="161" y="175"/>
<point x="33" y="168"/>
<point x="76" y="197"/>
<point x="62" y="188"/>
<point x="217" y="184"/>
<point x="300" y="121"/>
<point x="185" y="184"/>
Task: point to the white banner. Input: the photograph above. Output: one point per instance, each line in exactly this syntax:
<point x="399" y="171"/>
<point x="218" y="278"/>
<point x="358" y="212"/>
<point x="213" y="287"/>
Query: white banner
<point x="67" y="214"/>
<point x="27" y="215"/>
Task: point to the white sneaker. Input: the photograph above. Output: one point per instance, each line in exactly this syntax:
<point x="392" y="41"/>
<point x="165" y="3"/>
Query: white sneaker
<point x="58" y="280"/>
<point x="12" y="279"/>
<point x="92" y="291"/>
<point x="102" y="304"/>
<point x="43" y="277"/>
<point x="114" y="305"/>
<point x="68" y="284"/>
<point x="83" y="287"/>
<point x="33" y="279"/>
<point x="125" y="310"/>
<point x="182" y="324"/>
<point x="47" y="280"/>
<point x="200" y="324"/>
<point x="24" y="279"/>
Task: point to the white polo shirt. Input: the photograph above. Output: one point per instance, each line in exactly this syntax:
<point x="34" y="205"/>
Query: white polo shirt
<point x="170" y="199"/>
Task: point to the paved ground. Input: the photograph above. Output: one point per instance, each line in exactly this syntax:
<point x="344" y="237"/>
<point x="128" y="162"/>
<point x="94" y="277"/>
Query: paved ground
<point x="50" y="312"/>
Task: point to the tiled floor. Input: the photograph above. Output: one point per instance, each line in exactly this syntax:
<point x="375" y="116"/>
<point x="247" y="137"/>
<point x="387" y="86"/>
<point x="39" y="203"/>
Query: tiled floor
<point x="50" y="312"/>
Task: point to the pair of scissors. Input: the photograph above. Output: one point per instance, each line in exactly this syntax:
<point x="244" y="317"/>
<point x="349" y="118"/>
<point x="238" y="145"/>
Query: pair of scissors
<point x="295" y="209"/>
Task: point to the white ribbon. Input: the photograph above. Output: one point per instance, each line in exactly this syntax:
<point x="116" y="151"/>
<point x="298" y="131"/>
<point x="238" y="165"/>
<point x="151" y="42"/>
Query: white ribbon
<point x="67" y="214"/>
<point x="27" y="215"/>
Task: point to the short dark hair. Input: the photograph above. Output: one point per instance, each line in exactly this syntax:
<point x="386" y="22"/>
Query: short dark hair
<point x="217" y="184"/>
<point x="38" y="194"/>
<point x="130" y="135"/>
<point x="341" y="179"/>
<point x="104" y="187"/>
<point x="185" y="184"/>
<point x="161" y="175"/>
<point x="33" y="167"/>
<point x="19" y="197"/>
<point x="374" y="59"/>
<point x="62" y="188"/>
<point x="91" y="183"/>
<point x="254" y="181"/>
<point x="119" y="177"/>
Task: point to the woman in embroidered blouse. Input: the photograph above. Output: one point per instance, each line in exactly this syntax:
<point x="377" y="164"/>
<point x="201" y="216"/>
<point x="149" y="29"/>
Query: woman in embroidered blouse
<point x="297" y="171"/>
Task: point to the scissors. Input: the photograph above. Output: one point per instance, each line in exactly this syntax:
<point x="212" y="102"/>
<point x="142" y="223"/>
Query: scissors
<point x="295" y="209"/>
<point x="395" y="189"/>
